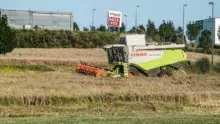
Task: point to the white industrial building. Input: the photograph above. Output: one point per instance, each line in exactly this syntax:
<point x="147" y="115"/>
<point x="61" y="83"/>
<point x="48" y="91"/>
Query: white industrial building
<point x="208" y="24"/>
<point x="43" y="19"/>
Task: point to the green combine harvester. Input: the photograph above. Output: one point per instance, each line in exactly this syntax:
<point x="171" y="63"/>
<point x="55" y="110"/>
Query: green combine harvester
<point x="132" y="57"/>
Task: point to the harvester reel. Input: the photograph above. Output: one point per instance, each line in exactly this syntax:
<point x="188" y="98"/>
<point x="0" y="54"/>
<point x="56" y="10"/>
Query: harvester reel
<point x="91" y="70"/>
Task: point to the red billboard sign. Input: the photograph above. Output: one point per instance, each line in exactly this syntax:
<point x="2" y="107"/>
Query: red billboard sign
<point x="114" y="22"/>
<point x="114" y="19"/>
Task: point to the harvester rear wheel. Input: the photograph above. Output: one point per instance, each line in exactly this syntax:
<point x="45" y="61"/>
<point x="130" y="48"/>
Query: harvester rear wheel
<point x="133" y="72"/>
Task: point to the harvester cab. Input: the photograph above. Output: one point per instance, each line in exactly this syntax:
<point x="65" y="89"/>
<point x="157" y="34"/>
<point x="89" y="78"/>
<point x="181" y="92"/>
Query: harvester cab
<point x="116" y="53"/>
<point x="132" y="57"/>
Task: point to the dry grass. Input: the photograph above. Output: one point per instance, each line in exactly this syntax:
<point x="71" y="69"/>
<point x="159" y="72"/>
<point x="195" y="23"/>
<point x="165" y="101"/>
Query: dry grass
<point x="195" y="56"/>
<point x="68" y="57"/>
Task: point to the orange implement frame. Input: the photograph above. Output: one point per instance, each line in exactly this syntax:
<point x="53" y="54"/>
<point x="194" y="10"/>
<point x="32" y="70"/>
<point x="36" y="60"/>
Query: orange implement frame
<point x="91" y="70"/>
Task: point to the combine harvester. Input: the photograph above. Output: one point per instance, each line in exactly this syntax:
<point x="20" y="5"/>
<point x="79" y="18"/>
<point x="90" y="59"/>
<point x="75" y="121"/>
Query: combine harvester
<point x="133" y="57"/>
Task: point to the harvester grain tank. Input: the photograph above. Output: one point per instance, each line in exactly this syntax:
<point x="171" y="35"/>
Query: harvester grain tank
<point x="133" y="57"/>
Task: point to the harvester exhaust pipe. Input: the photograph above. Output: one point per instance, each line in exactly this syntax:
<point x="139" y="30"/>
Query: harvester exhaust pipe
<point x="91" y="70"/>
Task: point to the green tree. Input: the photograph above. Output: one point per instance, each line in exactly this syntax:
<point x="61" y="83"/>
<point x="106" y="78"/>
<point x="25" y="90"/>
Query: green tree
<point x="132" y="30"/>
<point x="75" y="27"/>
<point x="85" y="29"/>
<point x="122" y="29"/>
<point x="141" y="29"/>
<point x="219" y="32"/>
<point x="170" y="30"/>
<point x="192" y="44"/>
<point x="162" y="31"/>
<point x="192" y="30"/>
<point x="102" y="28"/>
<point x="179" y="36"/>
<point x="114" y="29"/>
<point x="167" y="31"/>
<point x="179" y="32"/>
<point x="92" y="28"/>
<point x="151" y="30"/>
<point x="7" y="43"/>
<point x="205" y="40"/>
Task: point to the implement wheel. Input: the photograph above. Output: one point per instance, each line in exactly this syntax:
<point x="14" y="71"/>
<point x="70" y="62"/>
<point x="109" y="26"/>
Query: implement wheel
<point x="166" y="73"/>
<point x="133" y="72"/>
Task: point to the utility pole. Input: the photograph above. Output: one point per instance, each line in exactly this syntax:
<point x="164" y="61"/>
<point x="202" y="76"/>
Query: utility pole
<point x="213" y="31"/>
<point x="136" y="23"/>
<point x="184" y="5"/>
<point x="71" y="22"/>
<point x="125" y="23"/>
<point x="73" y="17"/>
<point x="93" y="16"/>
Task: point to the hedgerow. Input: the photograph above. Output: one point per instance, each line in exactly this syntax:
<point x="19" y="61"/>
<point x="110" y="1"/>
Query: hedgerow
<point x="63" y="39"/>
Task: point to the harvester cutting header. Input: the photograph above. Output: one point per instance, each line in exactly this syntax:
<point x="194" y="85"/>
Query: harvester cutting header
<point x="132" y="57"/>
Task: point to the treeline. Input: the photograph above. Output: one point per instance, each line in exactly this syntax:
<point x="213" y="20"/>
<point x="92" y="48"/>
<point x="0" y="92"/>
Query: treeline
<point x="97" y="36"/>
<point x="63" y="39"/>
<point x="165" y="33"/>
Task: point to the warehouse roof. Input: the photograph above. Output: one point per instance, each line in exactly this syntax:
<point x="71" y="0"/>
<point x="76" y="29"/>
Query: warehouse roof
<point x="44" y="12"/>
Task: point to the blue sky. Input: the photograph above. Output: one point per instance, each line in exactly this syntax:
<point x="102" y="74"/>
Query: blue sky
<point x="156" y="10"/>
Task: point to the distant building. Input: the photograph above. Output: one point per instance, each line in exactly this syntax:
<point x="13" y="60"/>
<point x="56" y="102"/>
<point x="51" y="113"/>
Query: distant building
<point x="39" y="19"/>
<point x="207" y="24"/>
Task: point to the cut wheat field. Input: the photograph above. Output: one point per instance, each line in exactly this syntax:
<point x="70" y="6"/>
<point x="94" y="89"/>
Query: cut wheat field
<point x="55" y="89"/>
<point x="63" y="92"/>
<point x="70" y="57"/>
<point x="67" y="57"/>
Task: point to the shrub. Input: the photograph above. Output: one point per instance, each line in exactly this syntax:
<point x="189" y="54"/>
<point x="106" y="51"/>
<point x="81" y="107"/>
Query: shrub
<point x="189" y="66"/>
<point x="206" y="41"/>
<point x="28" y="67"/>
<point x="34" y="68"/>
<point x="203" y="65"/>
<point x="217" y="46"/>
<point x="217" y="67"/>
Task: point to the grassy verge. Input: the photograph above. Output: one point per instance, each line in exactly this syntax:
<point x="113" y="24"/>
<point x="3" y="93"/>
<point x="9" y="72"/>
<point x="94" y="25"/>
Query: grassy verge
<point x="158" y="119"/>
<point x="6" y="68"/>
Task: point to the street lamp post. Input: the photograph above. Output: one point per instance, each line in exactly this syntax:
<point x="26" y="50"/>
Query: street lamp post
<point x="136" y="14"/>
<point x="184" y="5"/>
<point x="126" y="23"/>
<point x="93" y="16"/>
<point x="213" y="35"/>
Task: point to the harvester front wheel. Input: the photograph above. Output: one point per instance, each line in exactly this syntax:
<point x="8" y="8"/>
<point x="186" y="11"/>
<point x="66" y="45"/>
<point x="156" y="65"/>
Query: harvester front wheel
<point x="133" y="72"/>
